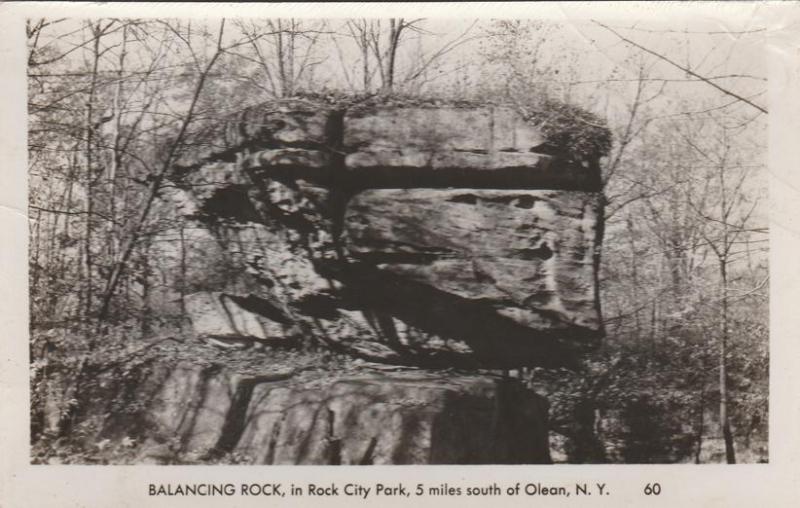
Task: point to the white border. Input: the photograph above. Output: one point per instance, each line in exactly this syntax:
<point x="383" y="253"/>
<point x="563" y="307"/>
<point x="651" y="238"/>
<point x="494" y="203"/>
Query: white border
<point x="776" y="484"/>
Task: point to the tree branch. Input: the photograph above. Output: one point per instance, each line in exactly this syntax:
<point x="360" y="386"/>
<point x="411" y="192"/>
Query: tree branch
<point x="684" y="69"/>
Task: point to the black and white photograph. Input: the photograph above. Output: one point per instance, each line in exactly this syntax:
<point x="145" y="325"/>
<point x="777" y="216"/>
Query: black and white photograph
<point x="506" y="254"/>
<point x="397" y="240"/>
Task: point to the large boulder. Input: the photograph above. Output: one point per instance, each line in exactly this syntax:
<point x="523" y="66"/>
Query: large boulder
<point x="431" y="235"/>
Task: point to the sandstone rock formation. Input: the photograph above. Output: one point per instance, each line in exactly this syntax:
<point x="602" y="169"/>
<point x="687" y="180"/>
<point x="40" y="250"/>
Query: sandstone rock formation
<point x="223" y="317"/>
<point x="421" y="234"/>
<point x="390" y="255"/>
<point x="362" y="419"/>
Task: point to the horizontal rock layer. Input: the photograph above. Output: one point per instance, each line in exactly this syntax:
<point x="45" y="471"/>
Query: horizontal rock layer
<point x="377" y="147"/>
<point x="464" y="129"/>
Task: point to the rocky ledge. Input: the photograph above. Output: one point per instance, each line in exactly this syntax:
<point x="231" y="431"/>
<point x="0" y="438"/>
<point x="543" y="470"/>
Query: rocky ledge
<point x="193" y="403"/>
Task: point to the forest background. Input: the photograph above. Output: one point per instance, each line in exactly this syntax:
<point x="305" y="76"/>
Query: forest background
<point x="683" y="373"/>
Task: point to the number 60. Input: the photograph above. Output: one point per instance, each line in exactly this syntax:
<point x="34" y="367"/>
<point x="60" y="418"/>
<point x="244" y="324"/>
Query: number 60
<point x="652" y="490"/>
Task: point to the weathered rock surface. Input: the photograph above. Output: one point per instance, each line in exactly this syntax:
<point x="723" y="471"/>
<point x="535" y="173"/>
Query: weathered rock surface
<point x="465" y="129"/>
<point x="276" y="124"/>
<point x="414" y="417"/>
<point x="192" y="405"/>
<point x="454" y="147"/>
<point x="230" y="317"/>
<point x="422" y="235"/>
<point x="530" y="255"/>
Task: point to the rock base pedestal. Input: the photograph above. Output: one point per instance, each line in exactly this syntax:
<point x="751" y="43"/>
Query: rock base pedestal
<point x="353" y="418"/>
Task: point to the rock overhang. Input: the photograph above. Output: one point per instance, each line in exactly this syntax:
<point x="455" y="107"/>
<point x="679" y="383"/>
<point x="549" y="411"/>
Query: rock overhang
<point x="439" y="223"/>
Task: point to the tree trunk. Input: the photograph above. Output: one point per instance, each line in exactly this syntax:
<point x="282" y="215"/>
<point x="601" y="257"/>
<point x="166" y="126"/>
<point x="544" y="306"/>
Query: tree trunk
<point x="730" y="454"/>
<point x="34" y="246"/>
<point x="90" y="177"/>
<point x="182" y="284"/>
<point x="145" y="317"/>
<point x="396" y="27"/>
<point x="634" y="276"/>
<point x="116" y="155"/>
<point x="700" y="428"/>
<point x="365" y="59"/>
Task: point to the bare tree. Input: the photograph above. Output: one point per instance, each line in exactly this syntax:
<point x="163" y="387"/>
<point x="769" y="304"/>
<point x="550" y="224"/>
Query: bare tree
<point x="726" y="211"/>
<point x="285" y="52"/>
<point x="156" y="178"/>
<point x="380" y="43"/>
